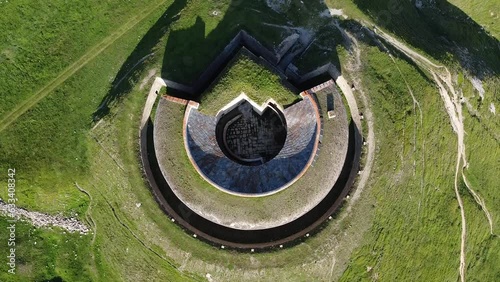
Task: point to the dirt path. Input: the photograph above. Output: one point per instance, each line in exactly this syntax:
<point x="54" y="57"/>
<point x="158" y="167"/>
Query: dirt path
<point x="153" y="94"/>
<point x="456" y="123"/>
<point x="88" y="213"/>
<point x="77" y="65"/>
<point x="141" y="241"/>
<point x="349" y="95"/>
<point x="88" y="216"/>
<point x="453" y="106"/>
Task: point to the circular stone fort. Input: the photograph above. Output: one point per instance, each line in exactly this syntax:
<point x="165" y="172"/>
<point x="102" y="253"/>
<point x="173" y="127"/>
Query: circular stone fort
<point x="251" y="150"/>
<point x="260" y="171"/>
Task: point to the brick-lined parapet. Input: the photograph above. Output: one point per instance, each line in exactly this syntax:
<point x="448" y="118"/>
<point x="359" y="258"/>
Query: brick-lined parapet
<point x="176" y="100"/>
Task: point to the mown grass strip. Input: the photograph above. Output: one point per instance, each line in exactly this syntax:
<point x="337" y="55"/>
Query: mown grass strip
<point x="77" y="65"/>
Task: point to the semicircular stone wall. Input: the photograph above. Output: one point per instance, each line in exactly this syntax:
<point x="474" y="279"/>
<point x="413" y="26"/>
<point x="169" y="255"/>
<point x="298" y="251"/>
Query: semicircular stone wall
<point x="249" y="179"/>
<point x="250" y="137"/>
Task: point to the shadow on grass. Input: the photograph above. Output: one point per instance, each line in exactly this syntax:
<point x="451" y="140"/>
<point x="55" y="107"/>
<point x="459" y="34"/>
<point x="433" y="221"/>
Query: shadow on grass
<point x="441" y="30"/>
<point x="55" y="279"/>
<point x="190" y="50"/>
<point x="368" y="38"/>
<point x="133" y="67"/>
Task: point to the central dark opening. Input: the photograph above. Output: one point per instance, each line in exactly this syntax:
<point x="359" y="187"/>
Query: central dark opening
<point x="249" y="137"/>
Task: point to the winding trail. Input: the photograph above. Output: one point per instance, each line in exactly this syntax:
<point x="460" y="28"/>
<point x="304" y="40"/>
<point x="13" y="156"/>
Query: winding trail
<point x="87" y="214"/>
<point x="453" y="106"/>
<point x="27" y="104"/>
<point x="90" y="220"/>
<point x="349" y="95"/>
<point x="132" y="69"/>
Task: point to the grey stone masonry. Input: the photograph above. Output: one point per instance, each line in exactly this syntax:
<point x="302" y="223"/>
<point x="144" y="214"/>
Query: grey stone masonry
<point x="253" y="137"/>
<point x="301" y="140"/>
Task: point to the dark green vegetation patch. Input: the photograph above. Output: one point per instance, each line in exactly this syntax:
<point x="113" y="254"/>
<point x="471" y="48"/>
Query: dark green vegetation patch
<point x="244" y="75"/>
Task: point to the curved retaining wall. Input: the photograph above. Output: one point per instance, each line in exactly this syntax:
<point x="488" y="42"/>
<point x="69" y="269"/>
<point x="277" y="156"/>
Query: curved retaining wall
<point x="285" y="235"/>
<point x="297" y="154"/>
<point x="222" y="236"/>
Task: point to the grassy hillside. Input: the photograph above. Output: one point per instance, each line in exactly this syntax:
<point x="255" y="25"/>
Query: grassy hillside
<point x="42" y="39"/>
<point x="437" y="28"/>
<point x="407" y="220"/>
<point x="484" y="13"/>
<point x="414" y="234"/>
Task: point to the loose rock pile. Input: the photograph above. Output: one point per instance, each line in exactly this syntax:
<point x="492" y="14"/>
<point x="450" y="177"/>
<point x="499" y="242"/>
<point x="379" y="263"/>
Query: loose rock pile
<point x="38" y="219"/>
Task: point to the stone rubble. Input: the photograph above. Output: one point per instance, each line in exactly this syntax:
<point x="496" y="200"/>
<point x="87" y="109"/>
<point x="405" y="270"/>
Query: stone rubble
<point x="38" y="219"/>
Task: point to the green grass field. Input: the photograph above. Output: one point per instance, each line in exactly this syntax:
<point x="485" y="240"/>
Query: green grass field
<point x="42" y="39"/>
<point x="244" y="75"/>
<point x="416" y="218"/>
<point x="405" y="226"/>
<point x="484" y="13"/>
<point x="48" y="144"/>
<point x="43" y="254"/>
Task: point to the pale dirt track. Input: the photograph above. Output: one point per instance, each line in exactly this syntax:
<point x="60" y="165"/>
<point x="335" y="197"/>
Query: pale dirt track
<point x="453" y="107"/>
<point x="153" y="94"/>
<point x="416" y="104"/>
<point x="355" y="67"/>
